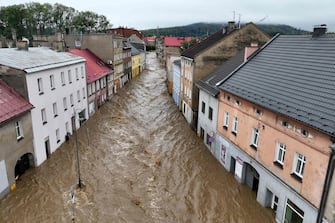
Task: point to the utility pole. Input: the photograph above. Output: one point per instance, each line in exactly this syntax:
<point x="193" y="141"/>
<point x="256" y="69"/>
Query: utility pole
<point x="77" y="152"/>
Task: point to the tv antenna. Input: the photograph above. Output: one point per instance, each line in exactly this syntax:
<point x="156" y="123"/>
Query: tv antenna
<point x="261" y="20"/>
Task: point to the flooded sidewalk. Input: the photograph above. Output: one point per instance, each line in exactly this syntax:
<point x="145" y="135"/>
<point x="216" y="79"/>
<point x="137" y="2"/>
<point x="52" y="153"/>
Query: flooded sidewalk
<point x="139" y="162"/>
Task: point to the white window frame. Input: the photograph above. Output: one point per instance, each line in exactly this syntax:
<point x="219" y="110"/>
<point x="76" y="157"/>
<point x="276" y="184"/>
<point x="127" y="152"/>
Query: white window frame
<point x="77" y="73"/>
<point x="67" y="129"/>
<point x="235" y="124"/>
<point x="299" y="165"/>
<point x="225" y="119"/>
<point x="62" y="77"/>
<point x="210" y="113"/>
<point x="274" y="203"/>
<point x="69" y="75"/>
<point x="71" y="100"/>
<point x="280" y="153"/>
<point x="82" y="72"/>
<point x="78" y="95"/>
<point x="44" y="116"/>
<point x="52" y="82"/>
<point x="57" y="135"/>
<point x="84" y="93"/>
<point x="65" y="103"/>
<point x="40" y="85"/>
<point x="54" y="109"/>
<point x="18" y="130"/>
<point x="255" y="137"/>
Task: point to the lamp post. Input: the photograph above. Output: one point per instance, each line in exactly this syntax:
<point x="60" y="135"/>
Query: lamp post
<point x="77" y="152"/>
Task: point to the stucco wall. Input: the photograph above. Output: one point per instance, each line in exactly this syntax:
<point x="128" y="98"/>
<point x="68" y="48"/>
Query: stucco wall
<point x="315" y="147"/>
<point x="11" y="148"/>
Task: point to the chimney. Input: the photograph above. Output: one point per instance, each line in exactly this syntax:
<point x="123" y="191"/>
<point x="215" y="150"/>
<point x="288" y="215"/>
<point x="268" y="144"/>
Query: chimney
<point x="22" y="45"/>
<point x="230" y="26"/>
<point x="249" y="50"/>
<point x="319" y="30"/>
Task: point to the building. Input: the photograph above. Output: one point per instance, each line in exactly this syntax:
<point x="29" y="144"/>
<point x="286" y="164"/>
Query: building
<point x="55" y="84"/>
<point x="209" y="94"/>
<point x="203" y="57"/>
<point x="176" y="82"/>
<point x="126" y="32"/>
<point x="135" y="61"/>
<point x="276" y="124"/>
<point x="126" y="63"/>
<point x="97" y="75"/>
<point x="16" y="137"/>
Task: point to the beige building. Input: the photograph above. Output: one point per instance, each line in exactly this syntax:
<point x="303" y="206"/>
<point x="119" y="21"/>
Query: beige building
<point x="16" y="137"/>
<point x="202" y="58"/>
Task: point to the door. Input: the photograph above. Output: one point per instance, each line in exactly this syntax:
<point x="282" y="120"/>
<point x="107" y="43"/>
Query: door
<point x="47" y="147"/>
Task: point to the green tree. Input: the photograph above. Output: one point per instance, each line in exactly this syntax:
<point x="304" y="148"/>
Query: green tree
<point x="187" y="44"/>
<point x="13" y="21"/>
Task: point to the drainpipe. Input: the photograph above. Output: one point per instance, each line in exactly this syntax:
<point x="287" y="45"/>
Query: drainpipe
<point x="328" y="180"/>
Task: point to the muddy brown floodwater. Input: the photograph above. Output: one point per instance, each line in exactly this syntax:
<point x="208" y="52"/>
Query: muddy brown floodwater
<point x="140" y="163"/>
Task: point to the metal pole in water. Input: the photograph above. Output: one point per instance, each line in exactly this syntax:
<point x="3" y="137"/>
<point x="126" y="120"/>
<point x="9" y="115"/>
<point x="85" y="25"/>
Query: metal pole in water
<point x="77" y="154"/>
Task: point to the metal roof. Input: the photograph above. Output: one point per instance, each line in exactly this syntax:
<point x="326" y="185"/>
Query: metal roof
<point x="12" y="103"/>
<point x="294" y="76"/>
<point x="36" y="59"/>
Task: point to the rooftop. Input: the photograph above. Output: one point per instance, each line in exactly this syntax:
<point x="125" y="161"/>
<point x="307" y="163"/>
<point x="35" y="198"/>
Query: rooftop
<point x="294" y="76"/>
<point x="12" y="103"/>
<point x="95" y="67"/>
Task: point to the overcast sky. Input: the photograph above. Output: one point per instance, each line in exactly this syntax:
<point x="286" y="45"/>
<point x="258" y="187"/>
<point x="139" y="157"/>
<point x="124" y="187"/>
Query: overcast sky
<point x="145" y="14"/>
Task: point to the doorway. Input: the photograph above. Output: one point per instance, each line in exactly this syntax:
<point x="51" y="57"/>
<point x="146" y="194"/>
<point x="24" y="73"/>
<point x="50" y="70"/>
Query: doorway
<point x="47" y="147"/>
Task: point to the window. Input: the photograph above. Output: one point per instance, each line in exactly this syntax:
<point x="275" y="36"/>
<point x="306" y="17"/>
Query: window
<point x="77" y="73"/>
<point x="274" y="203"/>
<point x="208" y="140"/>
<point x="19" y="131"/>
<point x="62" y="77"/>
<point x="82" y="72"/>
<point x="210" y="113"/>
<point x="71" y="100"/>
<point x="238" y="102"/>
<point x="89" y="89"/>
<point x="299" y="165"/>
<point x="57" y="136"/>
<point x="67" y="127"/>
<point x="293" y="213"/>
<point x="65" y="103"/>
<point x="54" y="108"/>
<point x="254" y="138"/>
<point x="258" y="111"/>
<point x="223" y="154"/>
<point x="235" y="122"/>
<point x="203" y="107"/>
<point x="225" y="120"/>
<point x="78" y="95"/>
<point x="84" y="95"/>
<point x="44" y="116"/>
<point x="284" y="123"/>
<point x="69" y="76"/>
<point x="52" y="82"/>
<point x="280" y="154"/>
<point x="202" y="133"/>
<point x="40" y="85"/>
<point x="304" y="133"/>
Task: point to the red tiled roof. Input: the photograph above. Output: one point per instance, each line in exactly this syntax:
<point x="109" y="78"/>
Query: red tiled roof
<point x="126" y="32"/>
<point x="12" y="103"/>
<point x="95" y="67"/>
<point x="175" y="41"/>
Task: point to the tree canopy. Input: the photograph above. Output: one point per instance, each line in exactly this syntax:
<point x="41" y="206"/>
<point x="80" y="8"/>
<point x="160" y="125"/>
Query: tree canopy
<point x="25" y="20"/>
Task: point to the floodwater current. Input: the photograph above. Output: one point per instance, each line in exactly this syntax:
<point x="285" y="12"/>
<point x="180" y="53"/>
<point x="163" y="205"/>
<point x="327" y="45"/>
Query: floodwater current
<point x="139" y="162"/>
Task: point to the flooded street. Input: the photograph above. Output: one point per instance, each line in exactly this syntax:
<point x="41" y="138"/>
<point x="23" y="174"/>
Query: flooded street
<point x="139" y="162"/>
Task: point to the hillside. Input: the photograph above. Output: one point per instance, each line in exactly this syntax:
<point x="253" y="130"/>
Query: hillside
<point x="205" y="29"/>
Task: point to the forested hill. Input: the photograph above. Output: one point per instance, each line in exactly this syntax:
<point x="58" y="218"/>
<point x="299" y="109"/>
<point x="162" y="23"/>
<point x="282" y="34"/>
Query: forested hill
<point x="204" y="29"/>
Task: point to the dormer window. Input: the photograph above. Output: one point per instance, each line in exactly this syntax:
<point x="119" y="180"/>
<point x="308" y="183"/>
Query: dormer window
<point x="284" y="123"/>
<point x="258" y="111"/>
<point x="238" y="102"/>
<point x="228" y="98"/>
<point x="304" y="133"/>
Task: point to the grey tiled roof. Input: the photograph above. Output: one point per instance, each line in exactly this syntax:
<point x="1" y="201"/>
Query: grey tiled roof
<point x="209" y="82"/>
<point x="294" y="76"/>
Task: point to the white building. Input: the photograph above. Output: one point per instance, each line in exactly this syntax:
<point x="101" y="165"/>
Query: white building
<point x="176" y="82"/>
<point x="55" y="84"/>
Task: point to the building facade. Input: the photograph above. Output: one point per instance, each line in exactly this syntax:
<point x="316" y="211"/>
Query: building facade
<point x="275" y="128"/>
<point x="55" y="85"/>
<point x="176" y="81"/>
<point x="16" y="137"/>
<point x="205" y="56"/>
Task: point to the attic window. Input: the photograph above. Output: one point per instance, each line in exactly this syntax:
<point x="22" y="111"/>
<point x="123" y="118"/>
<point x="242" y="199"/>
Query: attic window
<point x="284" y="123"/>
<point x="304" y="133"/>
<point x="258" y="111"/>
<point x="238" y="102"/>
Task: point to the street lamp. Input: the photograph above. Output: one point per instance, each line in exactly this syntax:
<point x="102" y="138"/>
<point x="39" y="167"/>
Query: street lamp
<point x="77" y="152"/>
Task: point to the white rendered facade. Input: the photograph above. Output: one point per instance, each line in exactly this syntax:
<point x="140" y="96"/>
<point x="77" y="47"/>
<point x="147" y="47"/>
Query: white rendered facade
<point x="207" y="119"/>
<point x="50" y="133"/>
